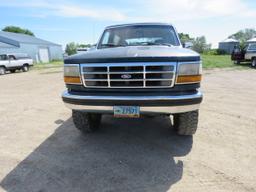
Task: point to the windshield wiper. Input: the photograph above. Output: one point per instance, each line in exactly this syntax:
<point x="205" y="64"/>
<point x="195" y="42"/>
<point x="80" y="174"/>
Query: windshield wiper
<point x="111" y="45"/>
<point x="153" y="43"/>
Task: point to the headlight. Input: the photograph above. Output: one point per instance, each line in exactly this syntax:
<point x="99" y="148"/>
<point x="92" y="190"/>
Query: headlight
<point x="189" y="73"/>
<point x="72" y="74"/>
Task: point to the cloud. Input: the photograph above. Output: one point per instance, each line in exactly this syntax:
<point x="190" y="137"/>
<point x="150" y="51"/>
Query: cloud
<point x="142" y="10"/>
<point x="66" y="9"/>
<point x="175" y="10"/>
<point x="100" y="13"/>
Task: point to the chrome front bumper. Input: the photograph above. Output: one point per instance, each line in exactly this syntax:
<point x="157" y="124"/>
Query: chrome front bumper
<point x="75" y="102"/>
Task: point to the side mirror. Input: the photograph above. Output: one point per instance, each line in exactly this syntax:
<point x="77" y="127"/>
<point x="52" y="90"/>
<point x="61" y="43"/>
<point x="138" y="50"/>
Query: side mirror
<point x="187" y="45"/>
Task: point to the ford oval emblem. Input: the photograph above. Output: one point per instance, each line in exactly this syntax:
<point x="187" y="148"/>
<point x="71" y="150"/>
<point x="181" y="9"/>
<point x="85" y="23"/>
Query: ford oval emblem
<point x="126" y="76"/>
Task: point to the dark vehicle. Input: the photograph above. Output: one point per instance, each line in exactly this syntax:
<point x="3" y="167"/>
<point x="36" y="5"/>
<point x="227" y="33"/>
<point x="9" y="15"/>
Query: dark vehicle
<point x="135" y="69"/>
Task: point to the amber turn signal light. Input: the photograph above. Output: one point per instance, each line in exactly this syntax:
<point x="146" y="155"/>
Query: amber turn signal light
<point x="189" y="78"/>
<point x="72" y="80"/>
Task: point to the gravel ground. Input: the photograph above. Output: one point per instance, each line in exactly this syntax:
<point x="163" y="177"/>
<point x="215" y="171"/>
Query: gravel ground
<point x="40" y="149"/>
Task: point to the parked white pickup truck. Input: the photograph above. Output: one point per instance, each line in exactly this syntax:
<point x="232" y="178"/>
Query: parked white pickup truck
<point x="13" y="62"/>
<point x="250" y="54"/>
<point x="246" y="55"/>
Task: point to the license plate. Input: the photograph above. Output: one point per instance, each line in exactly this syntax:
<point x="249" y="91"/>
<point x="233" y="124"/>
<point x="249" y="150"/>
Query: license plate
<point x="126" y="111"/>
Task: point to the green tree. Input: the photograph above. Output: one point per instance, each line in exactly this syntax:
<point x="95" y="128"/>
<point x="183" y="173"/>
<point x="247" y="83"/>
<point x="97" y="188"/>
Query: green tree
<point x="84" y="45"/>
<point x="185" y="38"/>
<point x="200" y="45"/>
<point x="71" y="48"/>
<point x="15" y="29"/>
<point x="244" y="35"/>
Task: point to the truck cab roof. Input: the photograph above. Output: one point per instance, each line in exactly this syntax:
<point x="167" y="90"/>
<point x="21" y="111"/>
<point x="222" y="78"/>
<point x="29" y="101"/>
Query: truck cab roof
<point x="138" y="24"/>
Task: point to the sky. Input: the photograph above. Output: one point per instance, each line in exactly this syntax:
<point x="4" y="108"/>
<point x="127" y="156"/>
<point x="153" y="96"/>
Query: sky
<point x="81" y="21"/>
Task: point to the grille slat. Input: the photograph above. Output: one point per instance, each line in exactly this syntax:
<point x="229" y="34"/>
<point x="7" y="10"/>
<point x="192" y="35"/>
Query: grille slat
<point x="128" y="75"/>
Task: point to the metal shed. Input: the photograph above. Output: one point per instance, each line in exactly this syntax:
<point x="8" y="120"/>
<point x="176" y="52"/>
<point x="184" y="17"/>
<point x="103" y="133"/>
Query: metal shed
<point x="228" y="45"/>
<point x="253" y="40"/>
<point x="39" y="50"/>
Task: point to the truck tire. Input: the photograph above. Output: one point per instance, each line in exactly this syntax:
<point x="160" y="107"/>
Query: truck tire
<point x="86" y="122"/>
<point x="186" y="123"/>
<point x="254" y="62"/>
<point x="25" y="68"/>
<point x="2" y="70"/>
<point x="12" y="70"/>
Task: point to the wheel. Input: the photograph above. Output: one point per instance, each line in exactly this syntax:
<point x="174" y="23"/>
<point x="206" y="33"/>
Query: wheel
<point x="12" y="70"/>
<point x="186" y="123"/>
<point x="25" y="68"/>
<point x="2" y="70"/>
<point x="254" y="62"/>
<point x="86" y="122"/>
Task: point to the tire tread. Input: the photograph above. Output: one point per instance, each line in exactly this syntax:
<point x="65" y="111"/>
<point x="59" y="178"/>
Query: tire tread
<point x="186" y="123"/>
<point x="86" y="122"/>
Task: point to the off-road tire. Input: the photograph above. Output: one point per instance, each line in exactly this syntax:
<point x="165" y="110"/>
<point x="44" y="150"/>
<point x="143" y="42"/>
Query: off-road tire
<point x="2" y="70"/>
<point x="254" y="62"/>
<point x="186" y="123"/>
<point x="12" y="70"/>
<point x="86" y="122"/>
<point x="25" y="68"/>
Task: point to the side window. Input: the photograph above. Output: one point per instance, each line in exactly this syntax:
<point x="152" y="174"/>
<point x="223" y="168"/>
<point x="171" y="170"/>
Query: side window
<point x="116" y="40"/>
<point x="3" y="57"/>
<point x="106" y="38"/>
<point x="11" y="57"/>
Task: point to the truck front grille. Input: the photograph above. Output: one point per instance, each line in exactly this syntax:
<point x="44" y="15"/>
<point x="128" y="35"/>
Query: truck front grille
<point x="128" y="75"/>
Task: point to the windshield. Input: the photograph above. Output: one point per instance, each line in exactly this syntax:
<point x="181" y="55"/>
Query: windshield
<point x="3" y="57"/>
<point x="252" y="47"/>
<point x="139" y="35"/>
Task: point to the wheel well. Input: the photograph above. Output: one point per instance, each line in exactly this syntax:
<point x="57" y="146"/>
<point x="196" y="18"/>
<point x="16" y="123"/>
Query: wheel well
<point x="25" y="64"/>
<point x="3" y="66"/>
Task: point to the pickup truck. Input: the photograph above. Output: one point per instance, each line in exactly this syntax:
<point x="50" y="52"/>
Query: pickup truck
<point x="247" y="55"/>
<point x="135" y="70"/>
<point x="13" y="62"/>
<point x="250" y="54"/>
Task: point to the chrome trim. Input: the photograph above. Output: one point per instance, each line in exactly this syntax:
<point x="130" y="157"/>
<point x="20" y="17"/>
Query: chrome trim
<point x="160" y="110"/>
<point x="143" y="109"/>
<point x="144" y="72"/>
<point x="130" y="98"/>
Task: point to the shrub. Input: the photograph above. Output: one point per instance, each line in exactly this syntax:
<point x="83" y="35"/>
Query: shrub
<point x="215" y="52"/>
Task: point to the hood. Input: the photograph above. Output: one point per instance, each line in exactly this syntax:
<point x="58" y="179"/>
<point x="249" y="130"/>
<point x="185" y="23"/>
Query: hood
<point x="135" y="54"/>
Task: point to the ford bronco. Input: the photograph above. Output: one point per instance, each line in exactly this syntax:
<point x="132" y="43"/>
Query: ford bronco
<point x="135" y="69"/>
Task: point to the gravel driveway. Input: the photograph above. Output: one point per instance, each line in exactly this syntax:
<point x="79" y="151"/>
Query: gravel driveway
<point x="40" y="150"/>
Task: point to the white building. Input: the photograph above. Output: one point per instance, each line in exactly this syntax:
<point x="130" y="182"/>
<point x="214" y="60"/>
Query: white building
<point x="39" y="50"/>
<point x="228" y="45"/>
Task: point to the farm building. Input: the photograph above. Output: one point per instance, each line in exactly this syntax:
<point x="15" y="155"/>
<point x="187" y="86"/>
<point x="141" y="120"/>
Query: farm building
<point x="253" y="40"/>
<point x="228" y="45"/>
<point x="39" y="50"/>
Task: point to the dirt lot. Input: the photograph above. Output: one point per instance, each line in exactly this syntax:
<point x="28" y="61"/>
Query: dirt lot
<point x="40" y="150"/>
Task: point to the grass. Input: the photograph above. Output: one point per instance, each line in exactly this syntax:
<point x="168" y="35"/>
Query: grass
<point x="222" y="61"/>
<point x="53" y="64"/>
<point x="217" y="61"/>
